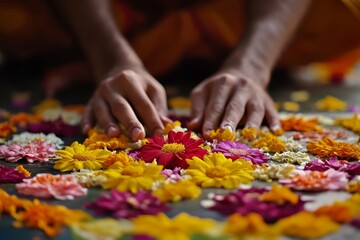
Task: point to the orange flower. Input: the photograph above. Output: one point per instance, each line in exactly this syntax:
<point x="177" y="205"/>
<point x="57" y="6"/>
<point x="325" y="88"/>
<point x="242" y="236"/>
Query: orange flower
<point x="222" y="135"/>
<point x="98" y="140"/>
<point x="300" y="124"/>
<point x="249" y="133"/>
<point x="330" y="148"/>
<point x="6" y="128"/>
<point x="120" y="157"/>
<point x="337" y="212"/>
<point x="11" y="204"/>
<point x="24" y="118"/>
<point x="280" y="194"/>
<point x="270" y="143"/>
<point x="22" y="170"/>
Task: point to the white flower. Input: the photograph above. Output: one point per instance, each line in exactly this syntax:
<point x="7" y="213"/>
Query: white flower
<point x="26" y="138"/>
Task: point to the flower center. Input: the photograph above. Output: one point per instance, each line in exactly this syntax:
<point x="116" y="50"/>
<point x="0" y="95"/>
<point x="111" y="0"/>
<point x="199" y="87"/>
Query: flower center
<point x="84" y="157"/>
<point x="217" y="172"/>
<point x="134" y="171"/>
<point x="239" y="152"/>
<point x="173" y="147"/>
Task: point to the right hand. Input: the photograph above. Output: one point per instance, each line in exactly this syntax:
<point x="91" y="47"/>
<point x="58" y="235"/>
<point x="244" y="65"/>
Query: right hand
<point x="129" y="97"/>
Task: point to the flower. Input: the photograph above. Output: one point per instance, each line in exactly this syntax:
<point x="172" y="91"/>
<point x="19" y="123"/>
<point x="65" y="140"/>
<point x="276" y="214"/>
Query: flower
<point x="48" y="103"/>
<point x="126" y="205"/>
<point x="174" y="192"/>
<point x="222" y="135"/>
<point x="174" y="175"/>
<point x="35" y="151"/>
<point x="306" y="225"/>
<point x="317" y="136"/>
<point x="355" y="222"/>
<point x="330" y="103"/>
<point x="6" y="128"/>
<point x="353" y="123"/>
<point x="269" y="143"/>
<point x="236" y="150"/>
<point x="292" y="145"/>
<point x="327" y="147"/>
<point x="337" y="212"/>
<point x="300" y="124"/>
<point x="133" y="177"/>
<point x="11" y="204"/>
<point x="46" y="185"/>
<point x="23" y="119"/>
<point x="121" y="157"/>
<point x="98" y="140"/>
<point x="23" y="171"/>
<point x="57" y="127"/>
<point x="26" y="138"/>
<point x="273" y="172"/>
<point x="10" y="175"/>
<point x="77" y="156"/>
<point x="280" y="195"/>
<point x="218" y="171"/>
<point x="249" y="133"/>
<point x="180" y="227"/>
<point x="245" y="201"/>
<point x="90" y="178"/>
<point x="173" y="126"/>
<point x="291" y="106"/>
<point x="291" y="157"/>
<point x="315" y="180"/>
<point x="173" y="151"/>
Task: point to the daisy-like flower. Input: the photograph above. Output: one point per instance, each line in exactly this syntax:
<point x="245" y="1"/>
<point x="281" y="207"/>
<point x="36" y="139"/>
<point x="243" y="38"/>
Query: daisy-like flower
<point x="25" y="138"/>
<point x="236" y="150"/>
<point x="174" y="192"/>
<point x="291" y="157"/>
<point x="181" y="226"/>
<point x="173" y="151"/>
<point x="45" y="185"/>
<point x="10" y="175"/>
<point x="329" y="148"/>
<point x="126" y="205"/>
<point x="133" y="177"/>
<point x="269" y="143"/>
<point x="99" y="139"/>
<point x="218" y="171"/>
<point x="77" y="156"/>
<point x="273" y="171"/>
<point x="316" y="181"/>
<point x="35" y="151"/>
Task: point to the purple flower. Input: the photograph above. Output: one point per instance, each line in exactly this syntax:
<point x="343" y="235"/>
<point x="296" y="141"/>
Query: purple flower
<point x="10" y="175"/>
<point x="173" y="175"/>
<point x="127" y="205"/>
<point x="57" y="127"/>
<point x="245" y="201"/>
<point x="355" y="222"/>
<point x="236" y="150"/>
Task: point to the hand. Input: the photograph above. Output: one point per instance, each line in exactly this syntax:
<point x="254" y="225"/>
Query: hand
<point x="128" y="97"/>
<point x="222" y="100"/>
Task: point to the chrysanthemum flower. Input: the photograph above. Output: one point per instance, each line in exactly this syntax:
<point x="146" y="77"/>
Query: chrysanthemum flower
<point x="90" y="178"/>
<point x="181" y="226"/>
<point x="10" y="175"/>
<point x="300" y="124"/>
<point x="77" y="156"/>
<point x="174" y="192"/>
<point x="249" y="133"/>
<point x="236" y="150"/>
<point x="25" y="138"/>
<point x="133" y="177"/>
<point x="6" y="128"/>
<point x="173" y="151"/>
<point x="121" y="157"/>
<point x="322" y="165"/>
<point x="291" y="157"/>
<point x="99" y="139"/>
<point x="222" y="135"/>
<point x="352" y="123"/>
<point x="337" y="212"/>
<point x="23" y="119"/>
<point x="174" y="175"/>
<point x="329" y="148"/>
<point x="45" y="185"/>
<point x="173" y="126"/>
<point x="218" y="171"/>
<point x="317" y="136"/>
<point x="273" y="171"/>
<point x="316" y="181"/>
<point x="269" y="143"/>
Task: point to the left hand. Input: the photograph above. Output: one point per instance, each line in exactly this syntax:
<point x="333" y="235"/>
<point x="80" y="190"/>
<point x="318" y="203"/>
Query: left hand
<point x="222" y="100"/>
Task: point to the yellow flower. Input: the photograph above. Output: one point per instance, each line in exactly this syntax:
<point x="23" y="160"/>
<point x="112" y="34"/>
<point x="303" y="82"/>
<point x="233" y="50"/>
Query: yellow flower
<point x="121" y="158"/>
<point x="251" y="226"/>
<point x="174" y="192"/>
<point x="133" y="177"/>
<point x="249" y="133"/>
<point x="22" y="170"/>
<point x="338" y="212"/>
<point x="77" y="156"/>
<point x="352" y="123"/>
<point x="291" y="106"/>
<point x="47" y="104"/>
<point x="280" y="195"/>
<point x="98" y="140"/>
<point x="353" y="203"/>
<point x="270" y="143"/>
<point x="179" y="228"/>
<point x="218" y="171"/>
<point x="171" y="127"/>
<point x="222" y="135"/>
<point x="306" y="225"/>
<point x="330" y="103"/>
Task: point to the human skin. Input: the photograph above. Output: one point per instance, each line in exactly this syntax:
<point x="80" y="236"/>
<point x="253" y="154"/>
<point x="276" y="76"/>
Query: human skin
<point x="129" y="95"/>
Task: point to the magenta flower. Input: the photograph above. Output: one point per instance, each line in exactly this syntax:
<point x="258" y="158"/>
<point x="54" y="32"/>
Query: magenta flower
<point x="10" y="175"/>
<point x="355" y="222"/>
<point x="126" y="204"/>
<point x="45" y="185"/>
<point x="35" y="151"/>
<point x="236" y="150"/>
<point x="58" y="127"/>
<point x="173" y="175"/>
<point x="245" y="201"/>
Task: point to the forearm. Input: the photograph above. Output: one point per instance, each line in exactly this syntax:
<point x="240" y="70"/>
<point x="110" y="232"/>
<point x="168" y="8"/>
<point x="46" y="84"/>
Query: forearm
<point x="269" y="27"/>
<point x="92" y="24"/>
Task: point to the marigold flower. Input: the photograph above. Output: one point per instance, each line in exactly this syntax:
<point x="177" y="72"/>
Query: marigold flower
<point x="330" y="103"/>
<point x="180" y="227"/>
<point x="174" y="192"/>
<point x="48" y="103"/>
<point x="291" y="106"/>
<point x="330" y="148"/>
<point x="307" y="225"/>
<point x="222" y="135"/>
<point x="280" y="195"/>
<point x="337" y="212"/>
<point x="218" y="171"/>
<point x="300" y="124"/>
<point x="6" y="128"/>
<point x="11" y="204"/>
<point x="352" y="123"/>
<point x="120" y="157"/>
<point x="173" y="126"/>
<point x="97" y="140"/>
<point x="133" y="177"/>
<point x="23" y="119"/>
<point x="173" y="151"/>
<point x="249" y="133"/>
<point x="46" y="185"/>
<point x="269" y="143"/>
<point x="77" y="156"/>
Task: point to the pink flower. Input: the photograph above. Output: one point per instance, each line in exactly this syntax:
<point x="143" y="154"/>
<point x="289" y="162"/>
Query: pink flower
<point x="35" y="151"/>
<point x="236" y="150"/>
<point x="45" y="185"/>
<point x="173" y="175"/>
<point x="58" y="127"/>
<point x="316" y="180"/>
<point x="10" y="175"/>
<point x="127" y="205"/>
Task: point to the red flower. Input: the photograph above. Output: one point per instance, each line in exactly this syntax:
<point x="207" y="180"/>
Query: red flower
<point x="173" y="151"/>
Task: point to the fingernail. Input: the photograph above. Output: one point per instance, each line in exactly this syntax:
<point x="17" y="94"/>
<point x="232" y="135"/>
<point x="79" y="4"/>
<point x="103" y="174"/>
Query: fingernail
<point x="228" y="126"/>
<point x="207" y="133"/>
<point x="86" y="128"/>
<point x="111" y="131"/>
<point x="275" y="127"/>
<point x="135" y="133"/>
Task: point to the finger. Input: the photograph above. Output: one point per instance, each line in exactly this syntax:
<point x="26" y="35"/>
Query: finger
<point x="272" y="116"/>
<point x="87" y="119"/>
<point x="216" y="107"/>
<point x="157" y="96"/>
<point x="234" y="111"/>
<point x="255" y="111"/>
<point x="104" y="118"/>
<point x="198" y="103"/>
